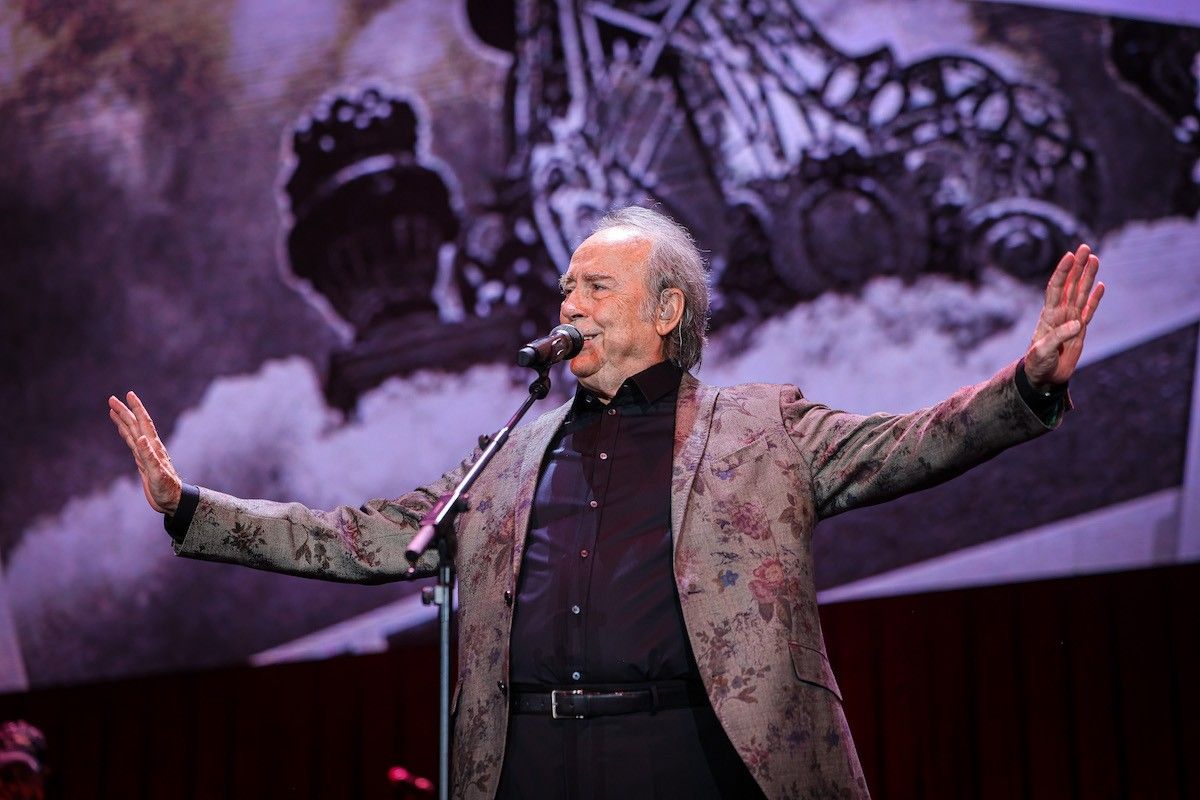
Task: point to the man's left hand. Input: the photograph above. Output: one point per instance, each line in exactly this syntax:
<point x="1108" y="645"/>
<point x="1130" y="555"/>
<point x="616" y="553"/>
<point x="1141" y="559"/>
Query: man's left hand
<point x="1071" y="303"/>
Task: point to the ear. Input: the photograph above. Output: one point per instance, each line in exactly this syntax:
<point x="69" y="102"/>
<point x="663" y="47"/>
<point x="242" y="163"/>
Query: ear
<point x="669" y="311"/>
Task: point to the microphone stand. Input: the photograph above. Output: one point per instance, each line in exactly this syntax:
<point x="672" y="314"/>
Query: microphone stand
<point x="437" y="532"/>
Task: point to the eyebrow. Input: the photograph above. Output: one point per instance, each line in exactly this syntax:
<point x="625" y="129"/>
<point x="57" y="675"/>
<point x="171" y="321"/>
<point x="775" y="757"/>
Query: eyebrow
<point x="587" y="277"/>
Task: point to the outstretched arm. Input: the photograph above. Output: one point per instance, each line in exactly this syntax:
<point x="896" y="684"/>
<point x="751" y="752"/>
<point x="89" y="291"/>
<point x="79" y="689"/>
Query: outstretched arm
<point x="363" y="545"/>
<point x="856" y="460"/>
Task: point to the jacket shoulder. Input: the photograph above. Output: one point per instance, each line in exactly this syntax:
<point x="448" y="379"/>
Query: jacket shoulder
<point x="757" y="399"/>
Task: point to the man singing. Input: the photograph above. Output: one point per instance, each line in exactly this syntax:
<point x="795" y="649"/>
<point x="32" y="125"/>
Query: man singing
<point x="639" y="617"/>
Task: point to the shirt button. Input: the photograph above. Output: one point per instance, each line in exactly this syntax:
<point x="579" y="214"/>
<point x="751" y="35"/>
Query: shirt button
<point x="574" y="609"/>
<point x="603" y="456"/>
<point x="507" y="597"/>
<point x="502" y="686"/>
<point x="576" y="676"/>
<point x="593" y="503"/>
<point x="584" y="554"/>
<point x="612" y="411"/>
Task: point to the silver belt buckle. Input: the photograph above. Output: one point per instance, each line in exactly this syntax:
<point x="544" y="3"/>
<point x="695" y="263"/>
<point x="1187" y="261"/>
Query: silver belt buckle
<point x="554" y="693"/>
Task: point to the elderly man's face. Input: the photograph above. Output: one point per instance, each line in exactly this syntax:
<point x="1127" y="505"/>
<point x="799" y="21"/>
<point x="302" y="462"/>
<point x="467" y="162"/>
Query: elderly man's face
<point x="604" y="295"/>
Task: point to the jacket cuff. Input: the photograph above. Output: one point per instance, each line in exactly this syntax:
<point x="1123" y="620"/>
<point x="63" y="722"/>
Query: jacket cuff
<point x="1049" y="405"/>
<point x="177" y="524"/>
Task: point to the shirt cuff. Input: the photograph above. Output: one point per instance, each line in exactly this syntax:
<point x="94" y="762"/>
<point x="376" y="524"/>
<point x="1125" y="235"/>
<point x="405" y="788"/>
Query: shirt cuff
<point x="1047" y="405"/>
<point x="177" y="524"/>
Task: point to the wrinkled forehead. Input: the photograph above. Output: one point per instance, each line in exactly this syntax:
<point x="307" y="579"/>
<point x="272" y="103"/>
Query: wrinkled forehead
<point x="619" y="249"/>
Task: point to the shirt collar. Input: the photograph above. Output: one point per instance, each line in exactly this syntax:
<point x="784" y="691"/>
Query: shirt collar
<point x="648" y="386"/>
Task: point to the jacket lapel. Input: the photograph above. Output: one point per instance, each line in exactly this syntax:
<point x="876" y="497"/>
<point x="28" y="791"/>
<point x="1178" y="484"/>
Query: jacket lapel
<point x="540" y="432"/>
<point x="693" y="418"/>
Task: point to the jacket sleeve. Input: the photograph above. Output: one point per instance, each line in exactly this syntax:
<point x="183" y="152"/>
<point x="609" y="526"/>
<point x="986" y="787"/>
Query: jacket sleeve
<point x="857" y="460"/>
<point x="352" y="545"/>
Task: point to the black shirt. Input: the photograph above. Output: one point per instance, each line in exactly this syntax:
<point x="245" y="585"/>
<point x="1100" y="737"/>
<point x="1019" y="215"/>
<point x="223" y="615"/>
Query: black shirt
<point x="596" y="601"/>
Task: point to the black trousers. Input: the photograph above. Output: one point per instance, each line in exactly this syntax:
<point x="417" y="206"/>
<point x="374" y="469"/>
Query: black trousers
<point x="679" y="753"/>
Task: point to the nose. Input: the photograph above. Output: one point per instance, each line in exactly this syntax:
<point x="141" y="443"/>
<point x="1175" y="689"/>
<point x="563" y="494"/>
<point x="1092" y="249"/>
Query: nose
<point x="567" y="310"/>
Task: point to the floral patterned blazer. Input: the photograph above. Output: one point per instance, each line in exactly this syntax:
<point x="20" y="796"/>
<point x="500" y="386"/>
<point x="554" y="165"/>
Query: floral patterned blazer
<point x="755" y="467"/>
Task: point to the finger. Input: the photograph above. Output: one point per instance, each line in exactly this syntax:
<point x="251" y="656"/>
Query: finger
<point x="1083" y="289"/>
<point x="126" y="429"/>
<point x="122" y="412"/>
<point x="133" y="441"/>
<point x="145" y="424"/>
<point x="1089" y="310"/>
<point x="1059" y="279"/>
<point x="127" y="418"/>
<point x="1046" y="348"/>
<point x="1075" y="274"/>
<point x="127" y="434"/>
<point x="122" y="429"/>
<point x="1064" y="333"/>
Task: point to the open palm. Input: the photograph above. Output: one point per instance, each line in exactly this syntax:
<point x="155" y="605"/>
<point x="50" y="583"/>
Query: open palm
<point x="160" y="481"/>
<point x="1071" y="301"/>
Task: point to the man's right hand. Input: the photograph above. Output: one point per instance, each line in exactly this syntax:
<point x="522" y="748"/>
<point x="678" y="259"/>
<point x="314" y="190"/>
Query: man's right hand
<point x="160" y="481"/>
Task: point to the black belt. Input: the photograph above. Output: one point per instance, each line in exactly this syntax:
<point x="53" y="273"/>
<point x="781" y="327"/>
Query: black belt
<point x="585" y="703"/>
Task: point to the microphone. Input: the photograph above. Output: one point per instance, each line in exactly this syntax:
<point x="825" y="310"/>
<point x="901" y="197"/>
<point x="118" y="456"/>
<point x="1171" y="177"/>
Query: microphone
<point x="563" y="343"/>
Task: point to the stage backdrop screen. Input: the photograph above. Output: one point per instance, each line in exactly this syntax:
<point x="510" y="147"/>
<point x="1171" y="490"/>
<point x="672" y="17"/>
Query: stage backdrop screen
<point x="312" y="234"/>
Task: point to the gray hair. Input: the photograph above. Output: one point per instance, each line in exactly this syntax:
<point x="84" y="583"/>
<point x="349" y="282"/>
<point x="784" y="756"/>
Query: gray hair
<point x="674" y="263"/>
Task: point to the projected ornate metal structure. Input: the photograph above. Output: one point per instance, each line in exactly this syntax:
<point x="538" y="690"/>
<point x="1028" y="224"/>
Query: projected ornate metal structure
<point x="821" y="168"/>
<point x="802" y="169"/>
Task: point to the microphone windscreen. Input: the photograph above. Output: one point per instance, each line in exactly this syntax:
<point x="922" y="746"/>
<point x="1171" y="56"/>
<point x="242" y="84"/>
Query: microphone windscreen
<point x="576" y="339"/>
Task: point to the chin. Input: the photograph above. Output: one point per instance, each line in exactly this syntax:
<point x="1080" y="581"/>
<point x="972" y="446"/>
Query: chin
<point x="584" y="365"/>
<point x="582" y="370"/>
